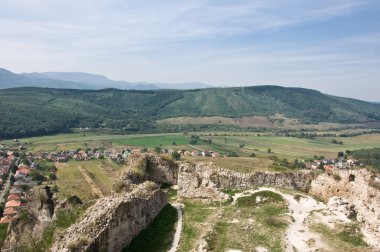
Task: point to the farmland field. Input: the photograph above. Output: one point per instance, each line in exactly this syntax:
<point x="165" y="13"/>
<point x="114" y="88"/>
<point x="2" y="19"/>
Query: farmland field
<point x="242" y="143"/>
<point x="71" y="182"/>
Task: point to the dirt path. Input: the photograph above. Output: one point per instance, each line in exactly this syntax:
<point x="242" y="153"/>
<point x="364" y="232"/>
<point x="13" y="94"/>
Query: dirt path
<point x="177" y="234"/>
<point x="94" y="188"/>
<point x="298" y="236"/>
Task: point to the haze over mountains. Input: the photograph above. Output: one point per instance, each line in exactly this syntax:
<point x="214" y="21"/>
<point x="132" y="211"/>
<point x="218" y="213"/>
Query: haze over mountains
<point x="78" y="80"/>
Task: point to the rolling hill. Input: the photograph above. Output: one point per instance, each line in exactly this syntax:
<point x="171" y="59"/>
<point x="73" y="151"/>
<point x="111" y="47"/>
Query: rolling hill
<point x="38" y="111"/>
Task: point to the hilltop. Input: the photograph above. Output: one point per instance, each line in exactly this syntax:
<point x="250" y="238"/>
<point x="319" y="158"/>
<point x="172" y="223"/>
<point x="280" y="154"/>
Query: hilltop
<point x="38" y="111"/>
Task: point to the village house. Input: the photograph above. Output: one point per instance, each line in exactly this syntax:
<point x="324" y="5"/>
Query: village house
<point x="13" y="197"/>
<point x="215" y="154"/>
<point x="10" y="211"/>
<point x="329" y="167"/>
<point x="6" y="219"/>
<point x="195" y="153"/>
<point x="13" y="203"/>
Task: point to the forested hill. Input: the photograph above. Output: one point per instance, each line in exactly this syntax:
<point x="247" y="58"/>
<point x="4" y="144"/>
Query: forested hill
<point x="37" y="111"/>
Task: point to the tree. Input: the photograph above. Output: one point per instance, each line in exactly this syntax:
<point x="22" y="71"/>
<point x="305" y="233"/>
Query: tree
<point x="241" y="145"/>
<point x="157" y="149"/>
<point x="52" y="176"/>
<point x="174" y="143"/>
<point x="321" y="167"/>
<point x="252" y="155"/>
<point x="269" y="150"/>
<point x="176" y="155"/>
<point x="340" y="154"/>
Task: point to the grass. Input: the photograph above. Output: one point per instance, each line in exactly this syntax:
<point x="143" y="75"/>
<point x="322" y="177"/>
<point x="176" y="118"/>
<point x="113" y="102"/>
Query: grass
<point x="71" y="182"/>
<point x="264" y="226"/>
<point x="103" y="172"/>
<point x="239" y="164"/>
<point x="258" y="198"/>
<point x="260" y="225"/>
<point x="91" y="140"/>
<point x="194" y="215"/>
<point x="3" y="233"/>
<point x="343" y="237"/>
<point x="283" y="147"/>
<point x="158" y="236"/>
<point x="64" y="219"/>
<point x="231" y="192"/>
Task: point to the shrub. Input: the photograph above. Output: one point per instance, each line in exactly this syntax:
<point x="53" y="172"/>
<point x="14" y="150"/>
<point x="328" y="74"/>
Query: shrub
<point x="176" y="155"/>
<point x="266" y="196"/>
<point x="337" y="177"/>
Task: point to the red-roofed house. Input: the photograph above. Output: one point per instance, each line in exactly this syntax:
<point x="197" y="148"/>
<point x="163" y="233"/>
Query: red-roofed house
<point x="11" y="158"/>
<point x="329" y="167"/>
<point x="13" y="203"/>
<point x="13" y="197"/>
<point x="10" y="211"/>
<point x="6" y="219"/>
<point x="23" y="170"/>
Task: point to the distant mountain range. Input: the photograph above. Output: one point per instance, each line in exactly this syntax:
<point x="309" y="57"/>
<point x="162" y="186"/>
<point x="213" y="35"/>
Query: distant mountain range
<point x="78" y="80"/>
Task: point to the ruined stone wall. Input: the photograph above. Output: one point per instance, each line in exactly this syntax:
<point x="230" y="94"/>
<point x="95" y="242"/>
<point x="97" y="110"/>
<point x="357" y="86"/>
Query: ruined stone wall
<point x="161" y="170"/>
<point x="354" y="186"/>
<point x="112" y="223"/>
<point x="204" y="180"/>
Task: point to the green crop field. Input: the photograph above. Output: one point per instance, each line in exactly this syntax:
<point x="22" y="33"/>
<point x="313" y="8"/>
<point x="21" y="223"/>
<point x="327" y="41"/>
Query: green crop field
<point x="283" y="147"/>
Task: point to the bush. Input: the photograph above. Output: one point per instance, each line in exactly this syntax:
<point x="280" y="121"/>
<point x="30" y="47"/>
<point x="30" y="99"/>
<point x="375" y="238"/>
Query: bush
<point x="252" y="200"/>
<point x="336" y="177"/>
<point x="52" y="176"/>
<point x="176" y="155"/>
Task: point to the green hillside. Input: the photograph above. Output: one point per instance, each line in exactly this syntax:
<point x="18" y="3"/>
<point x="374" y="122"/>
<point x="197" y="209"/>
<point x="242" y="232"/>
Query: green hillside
<point x="38" y="111"/>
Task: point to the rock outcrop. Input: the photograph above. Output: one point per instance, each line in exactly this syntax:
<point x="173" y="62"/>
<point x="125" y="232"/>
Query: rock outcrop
<point x="358" y="197"/>
<point x="205" y="180"/>
<point x="147" y="167"/>
<point x="31" y="221"/>
<point x="112" y="223"/>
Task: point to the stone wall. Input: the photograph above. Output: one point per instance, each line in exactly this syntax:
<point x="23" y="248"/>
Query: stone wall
<point x="354" y="187"/>
<point x="112" y="223"/>
<point x="204" y="180"/>
<point x="161" y="170"/>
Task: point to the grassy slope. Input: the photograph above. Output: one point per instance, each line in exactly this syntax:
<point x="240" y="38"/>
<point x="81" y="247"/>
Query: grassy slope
<point x="158" y="236"/>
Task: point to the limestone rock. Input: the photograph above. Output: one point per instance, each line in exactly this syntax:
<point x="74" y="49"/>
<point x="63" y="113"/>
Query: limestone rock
<point x="354" y="188"/>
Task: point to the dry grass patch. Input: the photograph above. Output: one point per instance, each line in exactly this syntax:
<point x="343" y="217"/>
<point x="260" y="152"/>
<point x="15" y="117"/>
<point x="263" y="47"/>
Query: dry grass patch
<point x="238" y="164"/>
<point x="71" y="182"/>
<point x="344" y="238"/>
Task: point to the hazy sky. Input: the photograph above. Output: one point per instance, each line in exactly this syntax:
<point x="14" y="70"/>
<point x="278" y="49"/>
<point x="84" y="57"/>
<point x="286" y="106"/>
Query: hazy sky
<point x="329" y="45"/>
